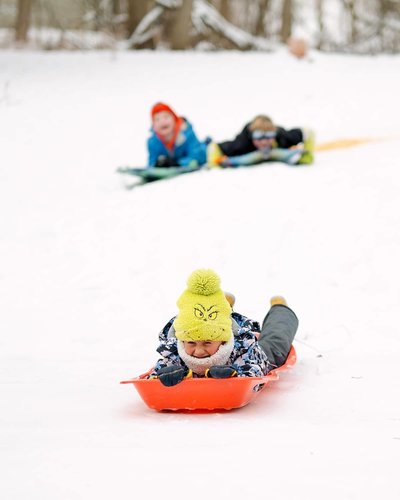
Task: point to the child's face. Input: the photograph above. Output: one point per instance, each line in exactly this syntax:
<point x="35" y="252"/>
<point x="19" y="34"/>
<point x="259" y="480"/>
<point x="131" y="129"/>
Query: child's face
<point x="163" y="123"/>
<point x="263" y="139"/>
<point x="202" y="349"/>
<point x="263" y="143"/>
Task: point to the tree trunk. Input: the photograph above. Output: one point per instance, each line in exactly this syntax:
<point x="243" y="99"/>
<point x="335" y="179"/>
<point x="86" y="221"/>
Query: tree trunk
<point x="353" y="18"/>
<point x="97" y="15"/>
<point x="225" y="9"/>
<point x="23" y="20"/>
<point x="116" y="7"/>
<point x="320" y="20"/>
<point x="382" y="10"/>
<point x="286" y="25"/>
<point x="180" y="27"/>
<point x="263" y="8"/>
<point x="137" y="9"/>
<point x="354" y="34"/>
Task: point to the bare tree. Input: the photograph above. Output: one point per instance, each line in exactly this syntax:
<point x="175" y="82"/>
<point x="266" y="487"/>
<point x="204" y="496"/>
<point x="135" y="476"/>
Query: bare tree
<point x="263" y="6"/>
<point x="351" y="7"/>
<point x="116" y="7"/>
<point x="179" y="30"/>
<point x="208" y="21"/>
<point x="287" y="18"/>
<point x="365" y="26"/>
<point x="23" y="20"/>
<point x="137" y="9"/>
<point x="389" y="25"/>
<point x="225" y="10"/>
<point x="223" y="7"/>
<point x="383" y="11"/>
<point x="137" y="12"/>
<point x="319" y="6"/>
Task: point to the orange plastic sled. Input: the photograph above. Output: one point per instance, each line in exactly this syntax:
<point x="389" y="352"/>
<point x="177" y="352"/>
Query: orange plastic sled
<point x="205" y="393"/>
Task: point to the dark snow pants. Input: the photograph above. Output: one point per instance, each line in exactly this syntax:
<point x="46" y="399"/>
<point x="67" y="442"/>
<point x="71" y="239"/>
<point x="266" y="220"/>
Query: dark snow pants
<point x="277" y="333"/>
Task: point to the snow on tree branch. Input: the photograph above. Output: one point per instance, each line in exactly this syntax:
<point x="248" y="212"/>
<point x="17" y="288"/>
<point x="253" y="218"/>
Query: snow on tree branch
<point x="170" y="4"/>
<point x="147" y="27"/>
<point x="206" y="16"/>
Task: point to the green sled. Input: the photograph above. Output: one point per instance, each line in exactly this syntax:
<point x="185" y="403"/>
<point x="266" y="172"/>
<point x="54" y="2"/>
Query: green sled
<point x="155" y="173"/>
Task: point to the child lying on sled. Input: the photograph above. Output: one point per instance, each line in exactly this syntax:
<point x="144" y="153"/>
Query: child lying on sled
<point x="208" y="339"/>
<point x="173" y="141"/>
<point x="261" y="140"/>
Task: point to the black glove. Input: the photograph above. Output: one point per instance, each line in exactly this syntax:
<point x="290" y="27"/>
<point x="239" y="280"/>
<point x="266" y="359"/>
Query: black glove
<point x="223" y="371"/>
<point x="172" y="375"/>
<point x="165" y="162"/>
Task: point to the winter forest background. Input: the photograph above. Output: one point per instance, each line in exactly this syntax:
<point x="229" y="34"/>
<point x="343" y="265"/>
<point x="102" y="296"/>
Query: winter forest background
<point x="355" y="26"/>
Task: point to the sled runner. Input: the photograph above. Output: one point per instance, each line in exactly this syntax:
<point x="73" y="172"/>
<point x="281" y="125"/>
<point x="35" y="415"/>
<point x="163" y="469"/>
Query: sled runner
<point x="156" y="173"/>
<point x="205" y="393"/>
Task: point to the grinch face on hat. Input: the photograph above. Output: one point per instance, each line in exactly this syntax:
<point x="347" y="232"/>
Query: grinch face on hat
<point x="205" y="320"/>
<point x="204" y="313"/>
<point x="210" y="314"/>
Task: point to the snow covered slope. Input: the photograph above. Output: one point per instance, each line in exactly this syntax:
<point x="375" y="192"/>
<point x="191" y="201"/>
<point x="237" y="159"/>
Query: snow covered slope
<point x="89" y="273"/>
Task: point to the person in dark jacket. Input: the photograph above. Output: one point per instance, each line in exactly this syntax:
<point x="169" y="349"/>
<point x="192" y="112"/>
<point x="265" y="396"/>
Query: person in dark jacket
<point x="261" y="140"/>
<point x="208" y="339"/>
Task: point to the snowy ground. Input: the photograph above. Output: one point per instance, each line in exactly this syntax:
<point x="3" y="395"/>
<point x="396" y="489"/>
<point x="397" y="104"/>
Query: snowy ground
<point x="89" y="272"/>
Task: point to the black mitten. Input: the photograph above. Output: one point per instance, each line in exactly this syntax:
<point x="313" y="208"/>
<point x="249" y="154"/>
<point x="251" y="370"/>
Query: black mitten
<point x="172" y="375"/>
<point x="165" y="162"/>
<point x="223" y="371"/>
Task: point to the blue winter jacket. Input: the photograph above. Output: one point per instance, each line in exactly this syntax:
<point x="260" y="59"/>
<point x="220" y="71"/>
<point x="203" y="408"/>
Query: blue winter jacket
<point x="247" y="357"/>
<point x="187" y="147"/>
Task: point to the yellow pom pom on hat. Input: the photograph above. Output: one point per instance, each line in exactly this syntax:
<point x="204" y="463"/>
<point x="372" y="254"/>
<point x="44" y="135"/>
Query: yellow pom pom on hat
<point x="204" y="313"/>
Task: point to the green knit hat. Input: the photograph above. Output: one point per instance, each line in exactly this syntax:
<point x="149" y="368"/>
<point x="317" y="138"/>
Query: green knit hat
<point x="204" y="313"/>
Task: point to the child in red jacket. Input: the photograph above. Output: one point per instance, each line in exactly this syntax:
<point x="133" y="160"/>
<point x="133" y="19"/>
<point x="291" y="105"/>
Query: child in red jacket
<point x="173" y="141"/>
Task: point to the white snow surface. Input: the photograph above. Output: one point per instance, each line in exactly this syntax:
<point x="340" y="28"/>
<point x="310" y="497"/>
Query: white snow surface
<point x="90" y="272"/>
